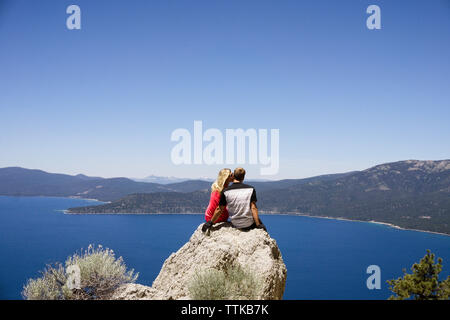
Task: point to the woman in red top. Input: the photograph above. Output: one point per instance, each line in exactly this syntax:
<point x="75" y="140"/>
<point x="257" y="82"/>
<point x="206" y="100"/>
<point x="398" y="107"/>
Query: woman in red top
<point x="223" y="179"/>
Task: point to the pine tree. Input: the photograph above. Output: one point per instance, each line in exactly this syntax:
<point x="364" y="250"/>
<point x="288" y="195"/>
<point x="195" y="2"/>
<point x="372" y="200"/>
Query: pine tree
<point x="423" y="283"/>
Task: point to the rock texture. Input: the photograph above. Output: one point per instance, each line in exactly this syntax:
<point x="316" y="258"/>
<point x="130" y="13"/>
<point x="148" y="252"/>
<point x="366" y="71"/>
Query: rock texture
<point x="224" y="247"/>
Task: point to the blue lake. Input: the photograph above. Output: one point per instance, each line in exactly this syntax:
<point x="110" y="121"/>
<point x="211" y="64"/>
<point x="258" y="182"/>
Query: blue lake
<point x="325" y="259"/>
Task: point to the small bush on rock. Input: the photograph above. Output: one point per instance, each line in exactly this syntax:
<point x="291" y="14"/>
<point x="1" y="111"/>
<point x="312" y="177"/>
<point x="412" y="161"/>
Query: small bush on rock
<point x="235" y="283"/>
<point x="100" y="274"/>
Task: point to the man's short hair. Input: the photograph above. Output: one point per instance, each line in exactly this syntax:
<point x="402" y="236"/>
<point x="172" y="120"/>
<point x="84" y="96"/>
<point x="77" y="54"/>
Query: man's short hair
<point x="239" y="174"/>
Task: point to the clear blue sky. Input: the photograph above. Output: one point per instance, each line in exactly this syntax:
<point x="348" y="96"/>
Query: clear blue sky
<point x="105" y="99"/>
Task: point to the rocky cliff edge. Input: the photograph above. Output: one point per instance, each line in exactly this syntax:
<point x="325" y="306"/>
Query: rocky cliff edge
<point x="222" y="249"/>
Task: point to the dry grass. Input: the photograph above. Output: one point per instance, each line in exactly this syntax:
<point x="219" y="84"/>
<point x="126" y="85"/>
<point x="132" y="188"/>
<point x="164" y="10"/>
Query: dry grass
<point x="101" y="273"/>
<point x="235" y="283"/>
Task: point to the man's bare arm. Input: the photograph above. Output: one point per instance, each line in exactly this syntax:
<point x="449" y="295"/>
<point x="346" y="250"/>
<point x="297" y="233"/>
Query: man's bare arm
<point x="254" y="209"/>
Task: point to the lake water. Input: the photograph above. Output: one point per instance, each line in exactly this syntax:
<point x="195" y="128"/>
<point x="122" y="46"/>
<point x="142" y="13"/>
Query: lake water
<point x="325" y="259"/>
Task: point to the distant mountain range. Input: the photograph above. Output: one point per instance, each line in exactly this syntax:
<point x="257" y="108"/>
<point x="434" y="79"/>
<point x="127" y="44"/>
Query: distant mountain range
<point x="15" y="181"/>
<point x="193" y="199"/>
<point x="411" y="194"/>
<point x="170" y="180"/>
<point x="164" y="180"/>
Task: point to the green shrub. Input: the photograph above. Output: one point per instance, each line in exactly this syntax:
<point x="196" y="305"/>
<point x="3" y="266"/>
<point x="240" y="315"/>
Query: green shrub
<point x="49" y="286"/>
<point x="423" y="283"/>
<point x="101" y="273"/>
<point x="235" y="283"/>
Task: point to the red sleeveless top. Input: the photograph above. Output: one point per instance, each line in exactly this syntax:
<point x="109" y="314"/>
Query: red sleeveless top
<point x="213" y="204"/>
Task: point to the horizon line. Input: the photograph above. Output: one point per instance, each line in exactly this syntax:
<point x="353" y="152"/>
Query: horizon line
<point x="210" y="178"/>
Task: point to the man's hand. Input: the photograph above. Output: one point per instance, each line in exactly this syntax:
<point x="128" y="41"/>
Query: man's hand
<point x="261" y="226"/>
<point x="207" y="226"/>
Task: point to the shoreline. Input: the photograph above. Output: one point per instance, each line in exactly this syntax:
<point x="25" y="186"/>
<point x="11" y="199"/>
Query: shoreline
<point x="387" y="224"/>
<point x="66" y="211"/>
<point x="58" y="197"/>
<point x="90" y="199"/>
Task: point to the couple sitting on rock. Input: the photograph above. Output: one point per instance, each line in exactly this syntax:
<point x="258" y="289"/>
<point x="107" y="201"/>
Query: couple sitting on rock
<point x="237" y="201"/>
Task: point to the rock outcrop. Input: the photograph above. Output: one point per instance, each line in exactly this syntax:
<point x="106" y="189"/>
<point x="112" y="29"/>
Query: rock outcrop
<point x="222" y="249"/>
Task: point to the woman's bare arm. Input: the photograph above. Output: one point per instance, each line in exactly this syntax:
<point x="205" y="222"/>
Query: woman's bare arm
<point x="217" y="213"/>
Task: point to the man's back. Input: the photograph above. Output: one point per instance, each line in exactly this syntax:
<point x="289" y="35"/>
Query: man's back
<point x="237" y="198"/>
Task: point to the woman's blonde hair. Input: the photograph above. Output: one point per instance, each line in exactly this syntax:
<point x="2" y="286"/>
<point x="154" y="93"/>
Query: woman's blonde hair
<point x="222" y="177"/>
